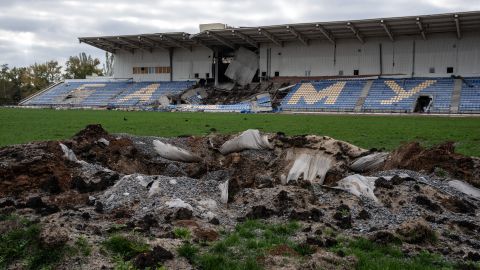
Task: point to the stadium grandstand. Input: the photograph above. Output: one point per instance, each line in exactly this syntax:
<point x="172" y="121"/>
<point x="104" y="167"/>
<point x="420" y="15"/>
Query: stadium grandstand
<point x="422" y="64"/>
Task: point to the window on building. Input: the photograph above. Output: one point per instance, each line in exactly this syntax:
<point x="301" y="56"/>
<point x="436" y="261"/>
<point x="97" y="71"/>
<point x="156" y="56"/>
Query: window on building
<point x="264" y="74"/>
<point x="340" y="73"/>
<point x="356" y="72"/>
<point x="449" y="70"/>
<point x="151" y="70"/>
<point x="207" y="75"/>
<point x="277" y="73"/>
<point x="196" y="75"/>
<point x="432" y="70"/>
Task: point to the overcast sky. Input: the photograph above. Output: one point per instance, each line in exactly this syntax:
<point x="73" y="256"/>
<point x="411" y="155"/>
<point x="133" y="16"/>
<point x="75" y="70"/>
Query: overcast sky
<point x="41" y="30"/>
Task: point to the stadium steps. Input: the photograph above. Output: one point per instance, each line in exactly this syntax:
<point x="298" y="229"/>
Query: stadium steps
<point x="457" y="91"/>
<point x="363" y="96"/>
<point x="25" y="100"/>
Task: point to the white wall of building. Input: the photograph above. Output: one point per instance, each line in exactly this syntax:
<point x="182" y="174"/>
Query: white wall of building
<point x="321" y="58"/>
<point x="468" y="56"/>
<point x="185" y="63"/>
<point x="125" y="61"/>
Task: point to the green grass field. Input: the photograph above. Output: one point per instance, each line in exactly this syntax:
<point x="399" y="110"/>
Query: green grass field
<point x="24" y="125"/>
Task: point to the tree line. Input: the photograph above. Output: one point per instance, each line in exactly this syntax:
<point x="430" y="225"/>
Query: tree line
<point x="18" y="83"/>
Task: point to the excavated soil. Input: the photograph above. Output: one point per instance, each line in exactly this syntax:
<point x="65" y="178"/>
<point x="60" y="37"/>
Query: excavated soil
<point x="413" y="156"/>
<point x="118" y="182"/>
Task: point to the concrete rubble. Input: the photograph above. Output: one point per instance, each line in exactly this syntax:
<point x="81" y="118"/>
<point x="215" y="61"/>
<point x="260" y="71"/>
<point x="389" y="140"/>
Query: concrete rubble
<point x="153" y="184"/>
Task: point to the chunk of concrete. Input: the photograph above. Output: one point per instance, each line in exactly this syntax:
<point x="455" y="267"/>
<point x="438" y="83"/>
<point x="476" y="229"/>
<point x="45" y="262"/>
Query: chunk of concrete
<point x="249" y="139"/>
<point x="178" y="203"/>
<point x="465" y="188"/>
<point x="359" y="186"/>
<point x="224" y="192"/>
<point x="174" y="153"/>
<point x="68" y="153"/>
<point x="369" y="163"/>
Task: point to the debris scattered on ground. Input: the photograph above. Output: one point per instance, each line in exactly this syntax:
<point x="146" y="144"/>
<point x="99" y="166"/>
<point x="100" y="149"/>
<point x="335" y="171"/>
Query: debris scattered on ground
<point x="96" y="184"/>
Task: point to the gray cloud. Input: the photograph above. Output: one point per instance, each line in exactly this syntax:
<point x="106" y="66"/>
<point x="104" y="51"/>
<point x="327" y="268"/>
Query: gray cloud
<point x="41" y="30"/>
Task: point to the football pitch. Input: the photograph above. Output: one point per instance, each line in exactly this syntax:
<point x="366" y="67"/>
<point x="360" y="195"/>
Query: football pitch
<point x="367" y="131"/>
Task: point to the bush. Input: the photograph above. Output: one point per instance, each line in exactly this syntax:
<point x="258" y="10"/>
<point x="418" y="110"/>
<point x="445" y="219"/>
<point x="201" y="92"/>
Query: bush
<point x="373" y="256"/>
<point x="182" y="233"/>
<point x="83" y="246"/>
<point x="22" y="243"/>
<point x="188" y="251"/>
<point x="241" y="248"/>
<point x="125" y="246"/>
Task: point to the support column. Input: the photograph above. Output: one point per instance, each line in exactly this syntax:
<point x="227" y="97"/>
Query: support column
<point x="170" y="52"/>
<point x="413" y="59"/>
<point x="363" y="96"/>
<point x="457" y="92"/>
<point x="216" y="65"/>
<point x="381" y="58"/>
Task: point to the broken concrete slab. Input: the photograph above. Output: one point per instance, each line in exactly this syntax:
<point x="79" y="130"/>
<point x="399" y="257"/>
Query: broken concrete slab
<point x="359" y="186"/>
<point x="369" y="163"/>
<point x="171" y="152"/>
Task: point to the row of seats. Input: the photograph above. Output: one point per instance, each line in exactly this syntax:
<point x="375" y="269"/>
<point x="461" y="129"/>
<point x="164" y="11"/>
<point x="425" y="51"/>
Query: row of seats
<point x="240" y="107"/>
<point x="384" y="95"/>
<point x="324" y="95"/>
<point x="264" y="101"/>
<point x="102" y="94"/>
<point x="470" y="96"/>
<point x="401" y="95"/>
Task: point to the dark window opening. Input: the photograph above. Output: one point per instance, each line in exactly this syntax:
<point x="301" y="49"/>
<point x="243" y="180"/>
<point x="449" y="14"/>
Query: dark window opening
<point x="449" y="70"/>
<point x="197" y="75"/>
<point x="432" y="70"/>
<point x="207" y="75"/>
<point x="264" y="74"/>
<point x="340" y="72"/>
<point x="423" y="104"/>
<point x="277" y="73"/>
<point x="356" y="72"/>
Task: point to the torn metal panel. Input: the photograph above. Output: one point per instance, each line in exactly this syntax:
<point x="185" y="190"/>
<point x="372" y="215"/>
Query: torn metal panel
<point x="243" y="67"/>
<point x="311" y="167"/>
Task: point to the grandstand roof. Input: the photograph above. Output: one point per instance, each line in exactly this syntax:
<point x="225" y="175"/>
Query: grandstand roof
<point x="393" y="27"/>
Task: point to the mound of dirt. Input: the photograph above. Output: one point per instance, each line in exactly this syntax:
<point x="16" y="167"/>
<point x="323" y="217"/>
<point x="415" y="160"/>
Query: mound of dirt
<point x="34" y="167"/>
<point x="413" y="156"/>
<point x="98" y="182"/>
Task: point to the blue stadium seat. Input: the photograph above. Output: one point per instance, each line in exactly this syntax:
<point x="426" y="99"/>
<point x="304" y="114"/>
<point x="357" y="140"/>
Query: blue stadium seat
<point x="470" y="96"/>
<point x="103" y="94"/>
<point x="328" y="95"/>
<point x="394" y="95"/>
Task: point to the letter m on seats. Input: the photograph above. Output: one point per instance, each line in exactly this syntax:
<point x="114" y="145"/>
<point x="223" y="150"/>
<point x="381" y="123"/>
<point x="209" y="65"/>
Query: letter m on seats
<point x="311" y="96"/>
